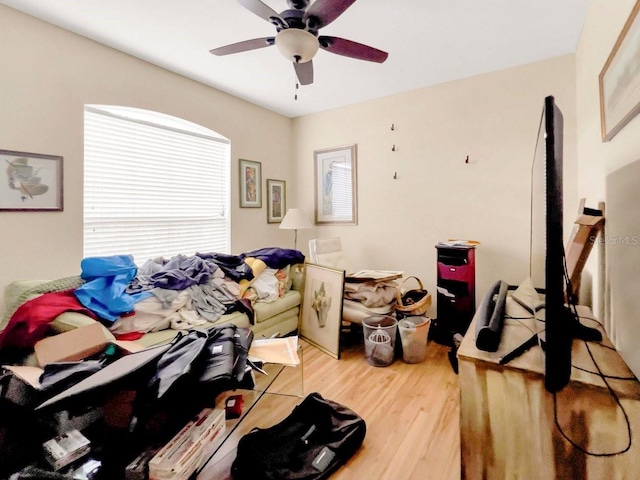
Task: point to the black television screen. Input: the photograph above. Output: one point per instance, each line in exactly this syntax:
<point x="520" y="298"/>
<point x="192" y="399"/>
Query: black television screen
<point x="547" y="267"/>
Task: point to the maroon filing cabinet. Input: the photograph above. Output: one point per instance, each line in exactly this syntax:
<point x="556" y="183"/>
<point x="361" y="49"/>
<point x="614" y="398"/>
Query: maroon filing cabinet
<point x="456" y="299"/>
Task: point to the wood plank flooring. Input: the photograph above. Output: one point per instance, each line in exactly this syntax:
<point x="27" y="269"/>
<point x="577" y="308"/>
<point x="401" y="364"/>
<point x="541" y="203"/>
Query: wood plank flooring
<point x="412" y="412"/>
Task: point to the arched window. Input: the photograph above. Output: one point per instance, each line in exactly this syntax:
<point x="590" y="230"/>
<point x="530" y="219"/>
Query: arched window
<point x="154" y="185"/>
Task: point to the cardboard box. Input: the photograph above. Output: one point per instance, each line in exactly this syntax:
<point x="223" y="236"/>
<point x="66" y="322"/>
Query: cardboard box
<point x="585" y="232"/>
<point x="23" y="387"/>
<point x="190" y="447"/>
<point x="73" y="345"/>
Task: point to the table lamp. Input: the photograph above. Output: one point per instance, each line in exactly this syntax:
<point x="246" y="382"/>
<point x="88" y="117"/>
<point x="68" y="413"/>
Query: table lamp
<point x="295" y="220"/>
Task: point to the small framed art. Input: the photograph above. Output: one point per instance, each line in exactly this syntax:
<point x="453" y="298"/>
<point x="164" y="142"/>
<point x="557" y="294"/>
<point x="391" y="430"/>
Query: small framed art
<point x="250" y="184"/>
<point x="276" y="200"/>
<point x="30" y="182"/>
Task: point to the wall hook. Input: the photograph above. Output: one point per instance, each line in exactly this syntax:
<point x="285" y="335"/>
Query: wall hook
<point x="393" y="149"/>
<point x="467" y="159"/>
<point x="393" y="127"/>
<point x="395" y="175"/>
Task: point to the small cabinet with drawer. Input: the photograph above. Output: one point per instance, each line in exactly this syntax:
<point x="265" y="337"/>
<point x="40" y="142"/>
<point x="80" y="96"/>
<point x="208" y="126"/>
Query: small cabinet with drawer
<point x="456" y="299"/>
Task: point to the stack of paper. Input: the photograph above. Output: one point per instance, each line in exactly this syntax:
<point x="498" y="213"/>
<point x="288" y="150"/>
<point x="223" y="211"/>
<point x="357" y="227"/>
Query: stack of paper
<point x="275" y="350"/>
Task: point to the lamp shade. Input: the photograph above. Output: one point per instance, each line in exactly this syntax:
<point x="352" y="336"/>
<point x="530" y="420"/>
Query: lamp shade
<point x="297" y="45"/>
<point x="295" y="219"/>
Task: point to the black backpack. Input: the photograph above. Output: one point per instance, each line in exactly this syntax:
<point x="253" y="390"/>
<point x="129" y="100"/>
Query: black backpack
<point x="310" y="443"/>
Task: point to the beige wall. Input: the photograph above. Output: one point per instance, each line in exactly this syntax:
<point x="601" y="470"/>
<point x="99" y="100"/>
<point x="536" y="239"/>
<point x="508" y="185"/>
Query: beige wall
<point x="604" y="22"/>
<point x="47" y="75"/>
<point x="493" y="119"/>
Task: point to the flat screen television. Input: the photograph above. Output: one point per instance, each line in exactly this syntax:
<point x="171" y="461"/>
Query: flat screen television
<point x="547" y="264"/>
<point x="547" y="257"/>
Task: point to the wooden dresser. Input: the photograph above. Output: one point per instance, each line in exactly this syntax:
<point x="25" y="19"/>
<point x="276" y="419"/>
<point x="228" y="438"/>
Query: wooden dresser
<point x="508" y="426"/>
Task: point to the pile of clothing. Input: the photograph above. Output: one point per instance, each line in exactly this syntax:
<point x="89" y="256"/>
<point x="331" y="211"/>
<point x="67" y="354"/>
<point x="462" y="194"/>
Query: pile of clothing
<point x="368" y="298"/>
<point x="181" y="292"/>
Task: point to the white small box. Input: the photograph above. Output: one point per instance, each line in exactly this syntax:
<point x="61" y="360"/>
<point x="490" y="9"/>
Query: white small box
<point x="64" y="449"/>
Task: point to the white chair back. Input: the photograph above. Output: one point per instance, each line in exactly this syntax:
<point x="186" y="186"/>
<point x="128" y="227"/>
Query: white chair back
<point x="327" y="252"/>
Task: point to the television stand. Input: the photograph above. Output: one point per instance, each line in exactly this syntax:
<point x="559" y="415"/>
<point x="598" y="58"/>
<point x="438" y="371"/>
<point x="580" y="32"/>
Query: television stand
<point x="578" y="330"/>
<point x="508" y="422"/>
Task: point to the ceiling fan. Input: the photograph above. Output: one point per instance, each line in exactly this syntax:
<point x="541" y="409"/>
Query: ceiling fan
<point x="297" y="34"/>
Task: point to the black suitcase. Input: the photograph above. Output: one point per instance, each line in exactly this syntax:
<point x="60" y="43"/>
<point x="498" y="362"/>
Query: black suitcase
<point x="310" y="443"/>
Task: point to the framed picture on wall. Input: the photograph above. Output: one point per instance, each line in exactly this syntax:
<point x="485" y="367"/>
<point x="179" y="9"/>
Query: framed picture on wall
<point x="620" y="79"/>
<point x="321" y="319"/>
<point x="335" y="186"/>
<point x="30" y="182"/>
<point x="250" y="184"/>
<point x="276" y="200"/>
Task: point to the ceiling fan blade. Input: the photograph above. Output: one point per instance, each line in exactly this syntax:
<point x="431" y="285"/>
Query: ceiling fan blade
<point x="244" y="46"/>
<point x="323" y="12"/>
<point x="304" y="72"/>
<point x="348" y="48"/>
<point x="261" y="10"/>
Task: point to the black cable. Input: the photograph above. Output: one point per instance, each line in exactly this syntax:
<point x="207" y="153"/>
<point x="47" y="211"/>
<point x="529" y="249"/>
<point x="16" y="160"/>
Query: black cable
<point x="610" y="377"/>
<point x="615" y="397"/>
<point x="613" y="394"/>
<point x="594" y="320"/>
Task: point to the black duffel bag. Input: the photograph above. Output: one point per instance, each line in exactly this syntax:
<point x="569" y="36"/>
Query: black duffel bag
<point x="310" y="443"/>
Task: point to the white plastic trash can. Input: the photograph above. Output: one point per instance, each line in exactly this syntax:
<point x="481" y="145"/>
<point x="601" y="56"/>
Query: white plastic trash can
<point x="379" y="340"/>
<point x="414" y="332"/>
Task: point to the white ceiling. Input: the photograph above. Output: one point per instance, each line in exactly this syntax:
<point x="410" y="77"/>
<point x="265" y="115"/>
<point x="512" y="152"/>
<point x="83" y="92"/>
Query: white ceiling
<point x="429" y="42"/>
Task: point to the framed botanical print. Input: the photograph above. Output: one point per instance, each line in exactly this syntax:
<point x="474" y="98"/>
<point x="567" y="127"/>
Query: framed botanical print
<point x="322" y="301"/>
<point x="276" y="200"/>
<point x="30" y="182"/>
<point x="250" y="184"/>
<point x="335" y="186"/>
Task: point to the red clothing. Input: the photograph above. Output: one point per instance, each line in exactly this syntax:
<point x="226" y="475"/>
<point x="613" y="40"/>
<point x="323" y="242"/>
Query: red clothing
<point x="129" y="336"/>
<point x="30" y="321"/>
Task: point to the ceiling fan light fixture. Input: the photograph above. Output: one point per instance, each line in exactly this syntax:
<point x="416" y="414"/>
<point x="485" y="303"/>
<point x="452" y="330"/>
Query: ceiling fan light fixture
<point x="297" y="45"/>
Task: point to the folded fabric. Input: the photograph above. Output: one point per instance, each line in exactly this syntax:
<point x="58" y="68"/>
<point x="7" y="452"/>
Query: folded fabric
<point x="371" y="294"/>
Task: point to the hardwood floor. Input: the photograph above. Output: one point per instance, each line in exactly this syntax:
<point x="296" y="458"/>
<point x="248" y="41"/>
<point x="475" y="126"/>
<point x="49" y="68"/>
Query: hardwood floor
<point x="412" y="412"/>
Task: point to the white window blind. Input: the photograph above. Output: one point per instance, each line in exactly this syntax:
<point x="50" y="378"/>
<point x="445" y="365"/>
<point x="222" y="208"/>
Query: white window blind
<point x="341" y="193"/>
<point x="154" y="185"/>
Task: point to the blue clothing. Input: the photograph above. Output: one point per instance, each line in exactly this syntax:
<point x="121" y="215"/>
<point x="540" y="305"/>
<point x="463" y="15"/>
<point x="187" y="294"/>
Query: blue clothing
<point x="106" y="281"/>
<point x="275" y="257"/>
<point x="235" y="267"/>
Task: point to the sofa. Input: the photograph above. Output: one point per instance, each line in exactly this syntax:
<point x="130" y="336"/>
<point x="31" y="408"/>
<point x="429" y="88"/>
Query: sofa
<point x="266" y="318"/>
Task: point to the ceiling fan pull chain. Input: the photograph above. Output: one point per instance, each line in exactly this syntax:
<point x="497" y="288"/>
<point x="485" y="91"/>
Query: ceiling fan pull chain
<point x="295" y="96"/>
